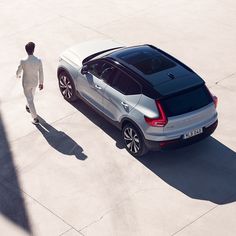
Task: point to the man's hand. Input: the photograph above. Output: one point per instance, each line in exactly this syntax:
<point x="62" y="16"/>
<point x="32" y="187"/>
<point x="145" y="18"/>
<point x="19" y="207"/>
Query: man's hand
<point x="40" y="86"/>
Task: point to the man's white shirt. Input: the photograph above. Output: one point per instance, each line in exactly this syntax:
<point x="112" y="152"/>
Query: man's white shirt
<point x="32" y="71"/>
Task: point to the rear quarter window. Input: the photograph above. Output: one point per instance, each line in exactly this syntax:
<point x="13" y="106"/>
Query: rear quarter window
<point x="186" y="102"/>
<point x="125" y="84"/>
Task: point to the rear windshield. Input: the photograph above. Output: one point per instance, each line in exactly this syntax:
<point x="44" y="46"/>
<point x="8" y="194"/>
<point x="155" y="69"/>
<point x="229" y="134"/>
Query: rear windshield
<point x="187" y="102"/>
<point x="145" y="59"/>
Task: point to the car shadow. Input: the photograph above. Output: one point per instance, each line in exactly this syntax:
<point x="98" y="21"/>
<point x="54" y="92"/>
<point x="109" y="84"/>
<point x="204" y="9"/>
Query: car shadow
<point x="100" y="121"/>
<point x="205" y="170"/>
<point x="60" y="141"/>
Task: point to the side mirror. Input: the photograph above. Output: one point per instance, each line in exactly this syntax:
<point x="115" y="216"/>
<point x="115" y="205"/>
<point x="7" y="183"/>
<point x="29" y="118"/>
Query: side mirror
<point x="84" y="70"/>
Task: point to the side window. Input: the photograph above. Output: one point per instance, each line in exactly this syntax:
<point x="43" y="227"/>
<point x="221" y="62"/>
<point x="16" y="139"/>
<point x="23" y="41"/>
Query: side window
<point x="108" y="74"/>
<point x="95" y="68"/>
<point x="126" y="85"/>
<point x="133" y="88"/>
<point x="100" y="69"/>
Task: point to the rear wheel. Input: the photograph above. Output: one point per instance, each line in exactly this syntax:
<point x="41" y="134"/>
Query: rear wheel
<point x="67" y="87"/>
<point x="133" y="140"/>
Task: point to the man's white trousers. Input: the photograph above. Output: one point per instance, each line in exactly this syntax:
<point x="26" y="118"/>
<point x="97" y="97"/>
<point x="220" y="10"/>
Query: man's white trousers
<point x="29" y="94"/>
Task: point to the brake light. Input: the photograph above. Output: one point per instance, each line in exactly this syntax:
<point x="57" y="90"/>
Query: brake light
<point x="161" y="121"/>
<point x="215" y="99"/>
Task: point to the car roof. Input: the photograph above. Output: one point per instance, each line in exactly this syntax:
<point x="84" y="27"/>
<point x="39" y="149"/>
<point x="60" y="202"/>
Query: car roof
<point x="163" y="72"/>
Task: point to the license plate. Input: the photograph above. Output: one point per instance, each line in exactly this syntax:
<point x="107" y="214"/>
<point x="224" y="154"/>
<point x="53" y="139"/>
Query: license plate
<point x="193" y="133"/>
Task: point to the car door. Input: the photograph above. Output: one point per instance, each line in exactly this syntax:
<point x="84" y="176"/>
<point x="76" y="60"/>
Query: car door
<point x="91" y="86"/>
<point x="121" y="95"/>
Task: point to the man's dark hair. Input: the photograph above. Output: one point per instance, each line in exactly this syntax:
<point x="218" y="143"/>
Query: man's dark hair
<point x="29" y="47"/>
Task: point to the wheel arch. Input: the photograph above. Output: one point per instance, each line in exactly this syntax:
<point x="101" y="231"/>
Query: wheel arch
<point x="68" y="74"/>
<point x="127" y="120"/>
<point x="62" y="69"/>
<point x="143" y="146"/>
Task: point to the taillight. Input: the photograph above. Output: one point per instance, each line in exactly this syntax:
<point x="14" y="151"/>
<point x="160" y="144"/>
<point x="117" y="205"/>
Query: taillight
<point x="215" y="99"/>
<point x="161" y="121"/>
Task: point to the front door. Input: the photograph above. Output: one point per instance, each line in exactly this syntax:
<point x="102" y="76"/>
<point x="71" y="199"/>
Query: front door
<point x="92" y="87"/>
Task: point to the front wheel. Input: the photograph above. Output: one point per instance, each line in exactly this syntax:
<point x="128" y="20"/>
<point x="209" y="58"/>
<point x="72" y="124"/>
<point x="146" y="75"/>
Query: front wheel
<point x="67" y="87"/>
<point x="133" y="140"/>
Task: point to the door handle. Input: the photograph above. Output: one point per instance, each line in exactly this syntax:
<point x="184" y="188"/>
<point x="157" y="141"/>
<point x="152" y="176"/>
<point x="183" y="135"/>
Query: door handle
<point x="125" y="105"/>
<point x="98" y="87"/>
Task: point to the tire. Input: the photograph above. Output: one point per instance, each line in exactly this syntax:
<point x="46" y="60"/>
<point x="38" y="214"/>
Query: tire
<point x="133" y="140"/>
<point x="67" y="87"/>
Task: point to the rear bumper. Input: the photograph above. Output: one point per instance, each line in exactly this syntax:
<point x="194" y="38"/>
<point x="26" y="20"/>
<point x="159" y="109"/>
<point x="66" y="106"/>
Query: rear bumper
<point x="180" y="142"/>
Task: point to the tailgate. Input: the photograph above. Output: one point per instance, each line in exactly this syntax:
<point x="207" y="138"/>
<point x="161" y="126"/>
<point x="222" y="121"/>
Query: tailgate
<point x="197" y="119"/>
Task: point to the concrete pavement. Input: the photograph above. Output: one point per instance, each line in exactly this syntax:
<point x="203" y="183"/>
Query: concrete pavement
<point x="72" y="176"/>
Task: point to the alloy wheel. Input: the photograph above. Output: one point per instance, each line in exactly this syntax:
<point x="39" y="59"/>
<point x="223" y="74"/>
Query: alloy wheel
<point x="132" y="140"/>
<point x="66" y="87"/>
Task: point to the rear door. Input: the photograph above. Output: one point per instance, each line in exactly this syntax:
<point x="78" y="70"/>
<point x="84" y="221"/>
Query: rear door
<point x="121" y="95"/>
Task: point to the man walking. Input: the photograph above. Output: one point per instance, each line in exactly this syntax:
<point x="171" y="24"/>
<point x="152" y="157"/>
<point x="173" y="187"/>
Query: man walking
<point x="32" y="74"/>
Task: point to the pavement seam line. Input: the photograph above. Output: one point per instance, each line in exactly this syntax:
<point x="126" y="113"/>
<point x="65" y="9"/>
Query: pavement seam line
<point x="28" y="28"/>
<point x="213" y="208"/>
<point x="65" y="232"/>
<point x="121" y="18"/>
<point x="226" y="77"/>
<point x="87" y="27"/>
<point x="23" y="169"/>
<point x="84" y="26"/>
<point x="32" y="132"/>
<point x="115" y="207"/>
<point x="101" y="217"/>
<point x="74" y="21"/>
<point x="218" y="82"/>
<point x="231" y="196"/>
<point x="105" y="213"/>
<point x="46" y="208"/>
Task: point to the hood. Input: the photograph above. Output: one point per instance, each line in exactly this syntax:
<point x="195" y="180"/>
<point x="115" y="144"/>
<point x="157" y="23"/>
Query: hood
<point x="79" y="52"/>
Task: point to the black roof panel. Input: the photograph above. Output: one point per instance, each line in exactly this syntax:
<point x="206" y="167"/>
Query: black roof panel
<point x="166" y="74"/>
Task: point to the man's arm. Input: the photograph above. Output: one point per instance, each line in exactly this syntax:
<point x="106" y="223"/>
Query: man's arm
<point x="19" y="70"/>
<point x="41" y="78"/>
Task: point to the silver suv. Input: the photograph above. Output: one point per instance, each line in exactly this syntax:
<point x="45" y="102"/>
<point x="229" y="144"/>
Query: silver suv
<point x="157" y="101"/>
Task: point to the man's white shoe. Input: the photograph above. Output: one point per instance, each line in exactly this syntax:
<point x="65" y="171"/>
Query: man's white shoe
<point x="35" y="121"/>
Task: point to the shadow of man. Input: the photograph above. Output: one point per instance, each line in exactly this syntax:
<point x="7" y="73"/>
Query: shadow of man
<point x="59" y="140"/>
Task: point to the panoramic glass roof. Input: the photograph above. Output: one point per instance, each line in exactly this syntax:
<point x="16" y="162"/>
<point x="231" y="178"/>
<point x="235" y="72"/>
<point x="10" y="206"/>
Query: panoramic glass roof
<point x="145" y="59"/>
